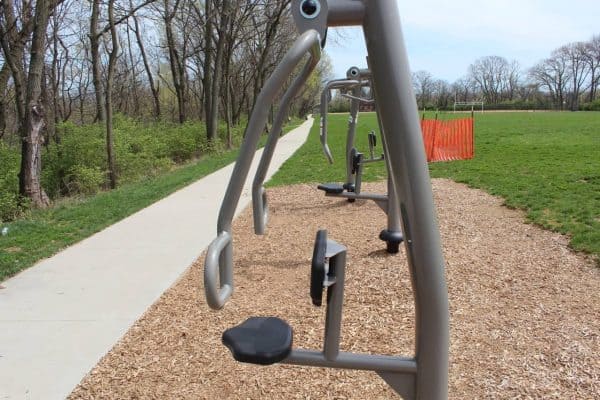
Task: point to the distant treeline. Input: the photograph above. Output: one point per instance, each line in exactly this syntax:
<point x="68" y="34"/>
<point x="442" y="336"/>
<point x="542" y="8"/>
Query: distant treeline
<point x="567" y="80"/>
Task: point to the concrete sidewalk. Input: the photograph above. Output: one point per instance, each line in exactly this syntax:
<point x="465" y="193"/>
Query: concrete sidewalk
<point x="58" y="318"/>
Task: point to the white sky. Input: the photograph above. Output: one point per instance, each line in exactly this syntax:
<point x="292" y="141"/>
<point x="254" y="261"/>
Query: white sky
<point x="445" y="37"/>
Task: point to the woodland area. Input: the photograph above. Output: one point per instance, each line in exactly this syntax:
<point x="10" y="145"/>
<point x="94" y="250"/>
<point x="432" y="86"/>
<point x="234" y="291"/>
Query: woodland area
<point x="97" y="92"/>
<point x="567" y="80"/>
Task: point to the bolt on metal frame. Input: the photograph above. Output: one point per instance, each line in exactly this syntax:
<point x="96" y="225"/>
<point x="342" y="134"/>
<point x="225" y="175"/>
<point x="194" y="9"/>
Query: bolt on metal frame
<point x="423" y="376"/>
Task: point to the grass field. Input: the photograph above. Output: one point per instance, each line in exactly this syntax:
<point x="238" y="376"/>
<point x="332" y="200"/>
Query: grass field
<point x="45" y="232"/>
<point x="547" y="164"/>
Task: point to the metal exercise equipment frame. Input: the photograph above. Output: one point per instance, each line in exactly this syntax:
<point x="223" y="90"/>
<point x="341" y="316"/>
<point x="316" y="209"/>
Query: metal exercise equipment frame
<point x="218" y="264"/>
<point x="260" y="204"/>
<point x="354" y="86"/>
<point x="423" y="376"/>
<point x="356" y="79"/>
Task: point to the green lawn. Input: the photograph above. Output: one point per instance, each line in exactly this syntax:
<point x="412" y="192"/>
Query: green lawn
<point x="45" y="232"/>
<point x="547" y="164"/>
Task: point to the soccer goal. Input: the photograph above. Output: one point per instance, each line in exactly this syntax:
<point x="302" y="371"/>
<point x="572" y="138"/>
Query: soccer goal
<point x="471" y="104"/>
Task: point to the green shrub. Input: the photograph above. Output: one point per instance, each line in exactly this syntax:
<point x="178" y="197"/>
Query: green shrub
<point x="77" y="164"/>
<point x="592" y="106"/>
<point x="84" y="180"/>
<point x="9" y="183"/>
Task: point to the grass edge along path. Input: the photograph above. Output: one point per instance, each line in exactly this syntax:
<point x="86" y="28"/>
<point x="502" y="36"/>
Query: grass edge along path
<point x="43" y="233"/>
<point x="546" y="164"/>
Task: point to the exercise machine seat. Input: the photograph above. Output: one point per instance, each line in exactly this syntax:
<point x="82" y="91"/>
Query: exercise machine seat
<point x="259" y="340"/>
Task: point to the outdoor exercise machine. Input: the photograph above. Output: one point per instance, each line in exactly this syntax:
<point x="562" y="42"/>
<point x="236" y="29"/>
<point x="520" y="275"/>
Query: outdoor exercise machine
<point x="355" y="80"/>
<point x="351" y="88"/>
<point x="423" y="376"/>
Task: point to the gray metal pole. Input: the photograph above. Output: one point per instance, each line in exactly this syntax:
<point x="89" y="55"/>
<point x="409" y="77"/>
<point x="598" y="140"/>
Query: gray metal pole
<point x="408" y="167"/>
<point x="335" y="304"/>
<point x="394" y="222"/>
<point x="352" y="121"/>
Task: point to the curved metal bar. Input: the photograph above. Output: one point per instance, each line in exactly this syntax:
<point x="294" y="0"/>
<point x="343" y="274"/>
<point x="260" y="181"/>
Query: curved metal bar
<point x="358" y="98"/>
<point x="218" y="281"/>
<point x="308" y="42"/>
<point x="260" y="207"/>
<point x="334" y="84"/>
<point x="350" y="139"/>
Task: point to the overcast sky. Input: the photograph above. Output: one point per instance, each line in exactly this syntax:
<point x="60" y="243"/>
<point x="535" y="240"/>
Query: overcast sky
<point x="444" y="37"/>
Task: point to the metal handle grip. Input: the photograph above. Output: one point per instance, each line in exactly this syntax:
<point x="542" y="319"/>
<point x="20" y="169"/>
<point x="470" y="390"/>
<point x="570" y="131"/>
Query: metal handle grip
<point x="333" y="84"/>
<point x="219" y="257"/>
<point x="259" y="196"/>
<point x="260" y="209"/>
<point x="218" y="271"/>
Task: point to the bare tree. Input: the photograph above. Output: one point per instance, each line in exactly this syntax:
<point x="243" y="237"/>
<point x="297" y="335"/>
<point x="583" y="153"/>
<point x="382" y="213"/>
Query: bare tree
<point x="488" y="72"/>
<point x="13" y="41"/>
<point x="553" y="74"/>
<point x="208" y="56"/>
<point x="154" y="87"/>
<point x="464" y="89"/>
<point x="267" y="21"/>
<point x="95" y="34"/>
<point x="511" y="80"/>
<point x="177" y="56"/>
<point x="442" y="93"/>
<point x="496" y="78"/>
<point x="423" y="83"/>
<point x="593" y="61"/>
<point x="113" y="54"/>
<point x="213" y="116"/>
<point x="576" y="62"/>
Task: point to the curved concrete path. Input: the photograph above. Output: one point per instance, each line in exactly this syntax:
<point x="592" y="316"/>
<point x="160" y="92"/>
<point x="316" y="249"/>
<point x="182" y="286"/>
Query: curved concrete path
<point x="58" y="318"/>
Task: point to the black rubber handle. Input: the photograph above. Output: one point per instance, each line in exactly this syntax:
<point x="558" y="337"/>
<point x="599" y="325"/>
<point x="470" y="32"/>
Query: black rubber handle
<point x="372" y="139"/>
<point x="317" y="270"/>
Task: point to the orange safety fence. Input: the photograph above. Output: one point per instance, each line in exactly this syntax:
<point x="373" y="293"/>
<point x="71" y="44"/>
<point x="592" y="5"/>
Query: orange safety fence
<point x="448" y="140"/>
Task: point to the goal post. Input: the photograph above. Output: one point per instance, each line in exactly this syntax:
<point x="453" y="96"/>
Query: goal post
<point x="471" y="104"/>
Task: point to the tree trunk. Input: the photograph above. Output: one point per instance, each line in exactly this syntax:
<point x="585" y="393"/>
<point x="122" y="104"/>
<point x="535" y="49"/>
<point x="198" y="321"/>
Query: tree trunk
<point x="114" y="53"/>
<point x="96" y="66"/>
<point x="153" y="87"/>
<point x="31" y="157"/>
<point x="4" y="75"/>
<point x="207" y="73"/>
<point x="32" y="129"/>
<point x="213" y="120"/>
<point x="175" y="61"/>
<point x="134" y="80"/>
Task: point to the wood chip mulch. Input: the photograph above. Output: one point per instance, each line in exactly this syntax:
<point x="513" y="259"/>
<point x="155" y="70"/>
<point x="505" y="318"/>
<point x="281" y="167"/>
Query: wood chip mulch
<point x="525" y="310"/>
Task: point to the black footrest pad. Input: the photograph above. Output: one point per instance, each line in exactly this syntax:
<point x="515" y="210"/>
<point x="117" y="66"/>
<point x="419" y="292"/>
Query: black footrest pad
<point x="334" y="188"/>
<point x="259" y="340"/>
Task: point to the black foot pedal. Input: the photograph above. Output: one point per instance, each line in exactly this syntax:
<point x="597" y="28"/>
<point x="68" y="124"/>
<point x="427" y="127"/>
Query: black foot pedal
<point x="259" y="340"/>
<point x="331" y="188"/>
<point x="393" y="240"/>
